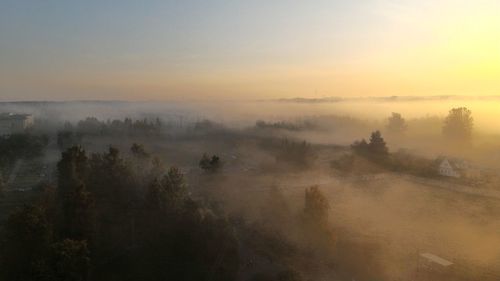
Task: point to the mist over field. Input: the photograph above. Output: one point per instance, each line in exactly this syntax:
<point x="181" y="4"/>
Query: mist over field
<point x="210" y="140"/>
<point x="288" y="180"/>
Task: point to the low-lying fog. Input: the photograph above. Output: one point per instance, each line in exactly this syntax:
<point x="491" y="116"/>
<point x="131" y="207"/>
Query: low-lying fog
<point x="485" y="110"/>
<point x="382" y="221"/>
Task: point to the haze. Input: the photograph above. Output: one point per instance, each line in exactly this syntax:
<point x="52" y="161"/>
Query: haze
<point x="227" y="140"/>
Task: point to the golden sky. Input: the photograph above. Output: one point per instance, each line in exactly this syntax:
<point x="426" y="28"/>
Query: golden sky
<point x="202" y="50"/>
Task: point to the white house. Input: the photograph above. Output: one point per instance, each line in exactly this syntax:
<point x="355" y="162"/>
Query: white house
<point x="447" y="169"/>
<point x="11" y="123"/>
<point x="458" y="168"/>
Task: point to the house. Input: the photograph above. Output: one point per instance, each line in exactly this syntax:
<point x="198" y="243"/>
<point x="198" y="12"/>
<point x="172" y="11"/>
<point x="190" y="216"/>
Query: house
<point x="433" y="267"/>
<point x="457" y="168"/>
<point x="431" y="258"/>
<point x="447" y="169"/>
<point x="11" y="123"/>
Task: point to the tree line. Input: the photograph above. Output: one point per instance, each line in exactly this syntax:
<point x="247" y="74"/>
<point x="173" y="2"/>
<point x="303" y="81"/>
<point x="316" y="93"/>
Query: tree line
<point x="457" y="126"/>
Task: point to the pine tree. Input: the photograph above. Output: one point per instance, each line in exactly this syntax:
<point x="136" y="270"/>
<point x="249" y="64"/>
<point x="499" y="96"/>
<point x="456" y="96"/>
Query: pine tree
<point x="377" y="145"/>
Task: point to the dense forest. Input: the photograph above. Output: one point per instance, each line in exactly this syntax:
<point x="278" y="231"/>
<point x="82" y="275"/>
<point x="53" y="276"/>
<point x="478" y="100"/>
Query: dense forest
<point x="115" y="216"/>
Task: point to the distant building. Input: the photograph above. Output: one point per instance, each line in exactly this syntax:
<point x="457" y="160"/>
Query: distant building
<point x="432" y="267"/>
<point x="457" y="168"/>
<point x="447" y="169"/>
<point x="11" y="123"/>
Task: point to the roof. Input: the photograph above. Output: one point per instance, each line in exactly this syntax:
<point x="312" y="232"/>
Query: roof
<point x="455" y="163"/>
<point x="433" y="258"/>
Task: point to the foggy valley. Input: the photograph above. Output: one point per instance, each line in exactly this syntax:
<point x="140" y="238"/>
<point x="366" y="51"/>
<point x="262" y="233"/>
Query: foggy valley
<point x="292" y="190"/>
<point x="216" y="140"/>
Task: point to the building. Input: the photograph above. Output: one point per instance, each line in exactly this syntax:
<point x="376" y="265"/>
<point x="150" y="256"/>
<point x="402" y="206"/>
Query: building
<point x="447" y="169"/>
<point x="458" y="168"/>
<point x="11" y="123"/>
<point x="434" y="268"/>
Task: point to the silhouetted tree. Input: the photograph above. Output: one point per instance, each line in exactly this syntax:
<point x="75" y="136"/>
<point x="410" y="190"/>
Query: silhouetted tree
<point x="318" y="235"/>
<point x="210" y="164"/>
<point x="25" y="244"/>
<point x="300" y="154"/>
<point x="79" y="209"/>
<point x="69" y="260"/>
<point x="75" y="204"/>
<point x="138" y="151"/>
<point x="72" y="170"/>
<point x="376" y="149"/>
<point x="169" y="192"/>
<point x="377" y="146"/>
<point x="396" y="123"/>
<point x="16" y="146"/>
<point x="110" y="179"/>
<point x="361" y="147"/>
<point x="157" y="169"/>
<point x="3" y="185"/>
<point x="316" y="206"/>
<point x="114" y="191"/>
<point x="458" y="125"/>
<point x="90" y="126"/>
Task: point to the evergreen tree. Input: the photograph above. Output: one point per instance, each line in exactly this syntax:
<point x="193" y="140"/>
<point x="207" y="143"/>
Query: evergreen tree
<point x="25" y="244"/>
<point x="79" y="210"/>
<point x="377" y="146"/>
<point x="75" y="203"/>
<point x="169" y="192"/>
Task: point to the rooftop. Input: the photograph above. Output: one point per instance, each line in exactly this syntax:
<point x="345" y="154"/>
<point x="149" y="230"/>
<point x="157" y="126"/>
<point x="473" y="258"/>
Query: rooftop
<point x="433" y="258"/>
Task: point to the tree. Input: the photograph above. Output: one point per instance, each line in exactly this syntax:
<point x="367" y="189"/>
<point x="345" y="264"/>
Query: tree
<point x="361" y="147"/>
<point x="114" y="191"/>
<point x="299" y="154"/>
<point x="377" y="146"/>
<point x="316" y="206"/>
<point x="396" y="124"/>
<point x="28" y="146"/>
<point x="210" y="164"/>
<point x="26" y="241"/>
<point x="375" y="149"/>
<point x="110" y="179"/>
<point x="138" y="151"/>
<point x="169" y="192"/>
<point x="2" y="185"/>
<point x="72" y="170"/>
<point x="69" y="260"/>
<point x="458" y="125"/>
<point x="75" y="203"/>
<point x="79" y="209"/>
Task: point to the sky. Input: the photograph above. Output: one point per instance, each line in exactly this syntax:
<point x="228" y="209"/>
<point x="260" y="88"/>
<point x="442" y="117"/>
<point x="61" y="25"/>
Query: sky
<point x="239" y="50"/>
